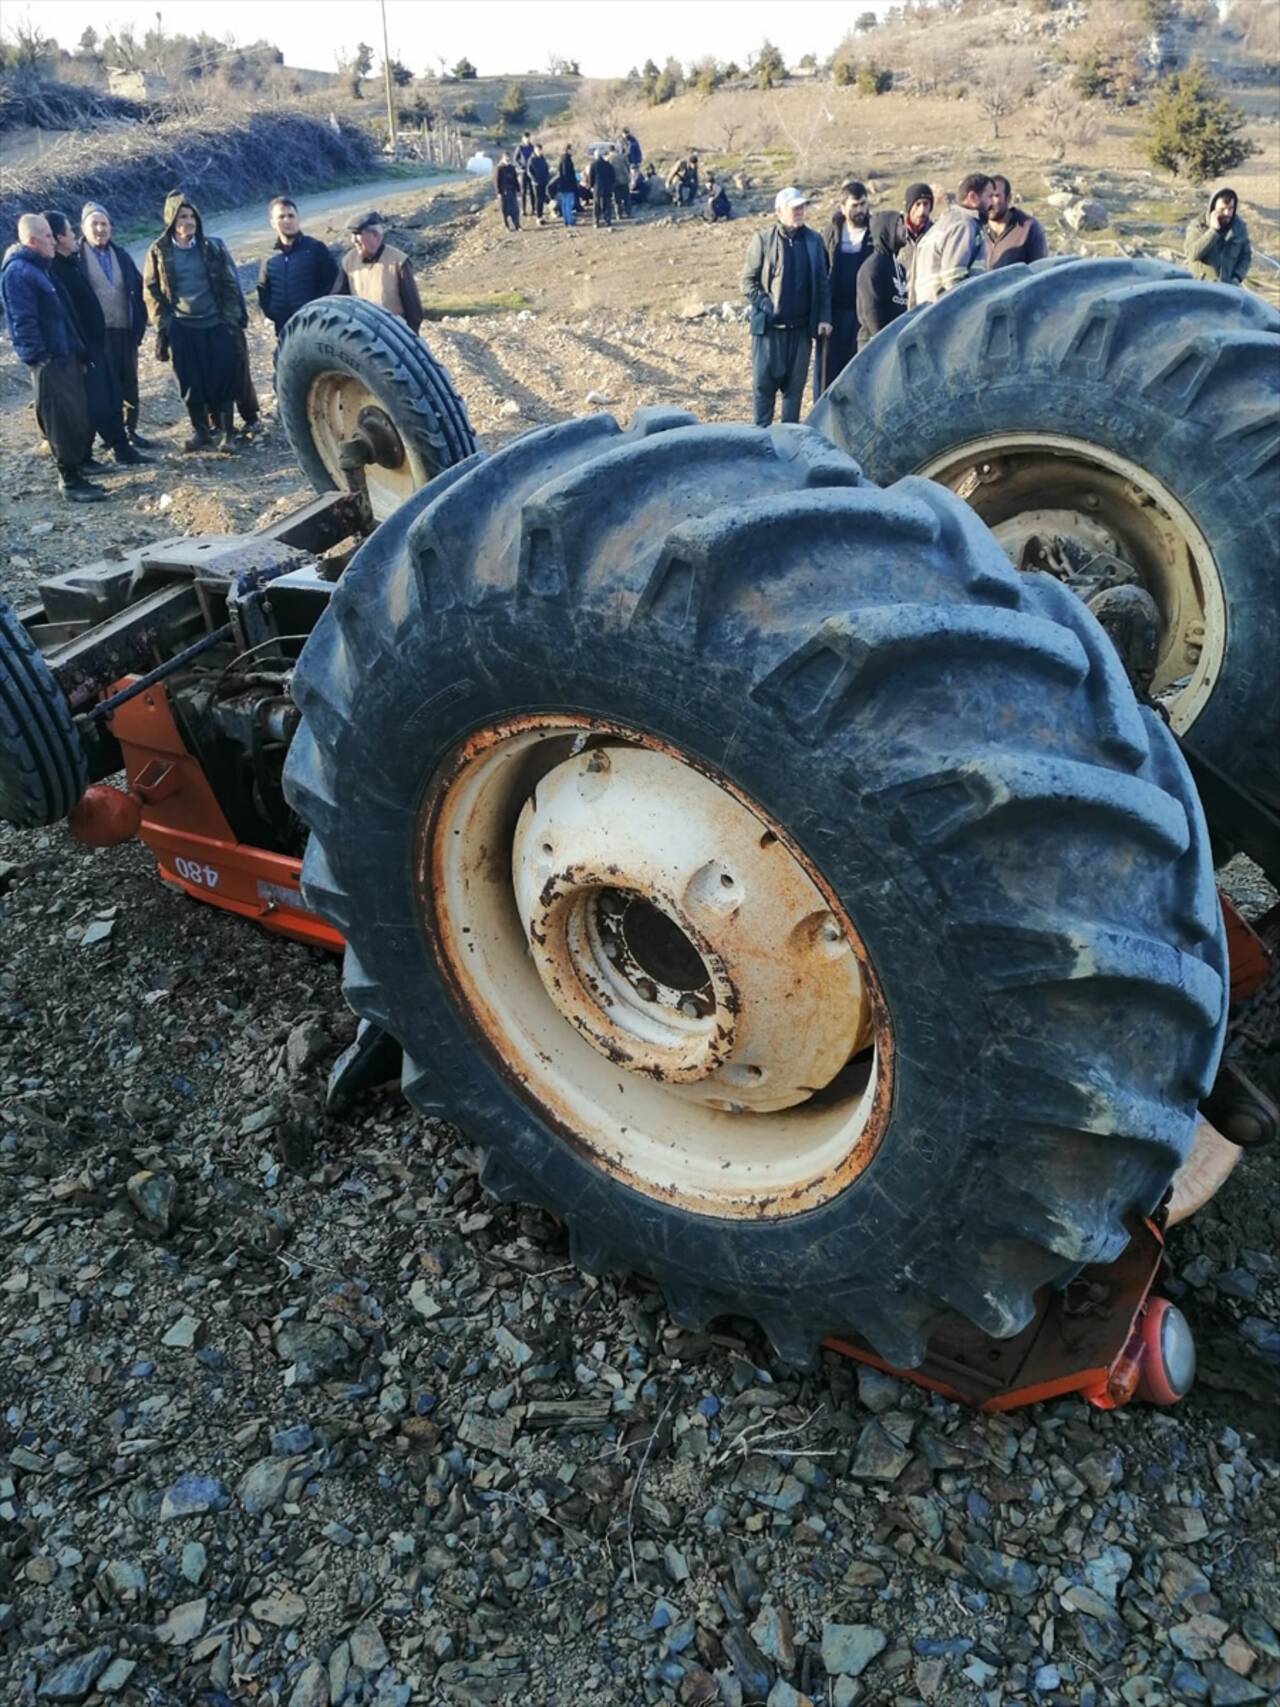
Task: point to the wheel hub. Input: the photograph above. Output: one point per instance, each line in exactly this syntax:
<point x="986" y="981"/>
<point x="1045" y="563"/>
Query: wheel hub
<point x="654" y="963"/>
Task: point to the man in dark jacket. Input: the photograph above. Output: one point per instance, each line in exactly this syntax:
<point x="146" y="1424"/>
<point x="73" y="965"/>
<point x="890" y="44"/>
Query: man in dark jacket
<point x="882" y="281"/>
<point x="524" y="154"/>
<point x="717" y="205"/>
<point x="539" y="177"/>
<point x="917" y="221"/>
<point x="193" y="296"/>
<point x="102" y="394"/>
<point x="784" y="278"/>
<point x="630" y="148"/>
<point x="567" y="187"/>
<point x="116" y="282"/>
<point x="847" y="242"/>
<point x="297" y="271"/>
<point x="47" y="342"/>
<point x="600" y="181"/>
<point x="506" y="183"/>
<point x="1012" y="236"/>
<point x="1217" y="247"/>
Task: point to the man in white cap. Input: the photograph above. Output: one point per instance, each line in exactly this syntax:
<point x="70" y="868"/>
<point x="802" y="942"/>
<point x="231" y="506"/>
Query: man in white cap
<point x="117" y="285"/>
<point x="784" y="278"/>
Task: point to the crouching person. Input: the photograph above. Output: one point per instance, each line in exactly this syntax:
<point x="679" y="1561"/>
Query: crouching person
<point x="194" y="301"/>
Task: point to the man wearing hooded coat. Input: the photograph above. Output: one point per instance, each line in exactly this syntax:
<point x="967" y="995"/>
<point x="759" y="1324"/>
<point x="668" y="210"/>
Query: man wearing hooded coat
<point x="193" y="298"/>
<point x="882" y="281"/>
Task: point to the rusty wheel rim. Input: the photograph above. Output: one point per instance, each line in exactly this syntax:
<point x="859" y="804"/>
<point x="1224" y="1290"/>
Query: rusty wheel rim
<point x="336" y="403"/>
<point x="655" y="965"/>
<point x="1027" y="485"/>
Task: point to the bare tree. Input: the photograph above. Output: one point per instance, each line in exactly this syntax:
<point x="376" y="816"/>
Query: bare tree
<point x="1004" y="93"/>
<point x="1065" y="121"/>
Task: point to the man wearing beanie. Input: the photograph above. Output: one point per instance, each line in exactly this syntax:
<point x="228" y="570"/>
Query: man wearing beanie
<point x="784" y="278"/>
<point x="1217" y="246"/>
<point x="116" y="282"/>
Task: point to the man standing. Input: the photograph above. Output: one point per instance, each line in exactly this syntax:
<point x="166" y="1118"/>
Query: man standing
<point x="882" y="281"/>
<point x="506" y="182"/>
<point x="539" y="177"/>
<point x="784" y="278"/>
<point x="298" y="269"/>
<point x="524" y="154"/>
<point x="49" y="345"/>
<point x="377" y="272"/>
<point x="193" y="296"/>
<point x="617" y="161"/>
<point x="1217" y="246"/>
<point x="953" y="249"/>
<point x="567" y="187"/>
<point x="848" y="246"/>
<point x="630" y="149"/>
<point x="102" y="394"/>
<point x="117" y="284"/>
<point x="600" y="182"/>
<point x="1012" y="235"/>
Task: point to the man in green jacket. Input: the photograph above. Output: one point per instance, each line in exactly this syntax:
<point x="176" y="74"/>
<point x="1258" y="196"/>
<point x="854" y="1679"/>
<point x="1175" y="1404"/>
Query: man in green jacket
<point x="1217" y="246"/>
<point x="194" y="301"/>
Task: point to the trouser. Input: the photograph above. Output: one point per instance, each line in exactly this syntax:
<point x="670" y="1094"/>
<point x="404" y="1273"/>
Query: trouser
<point x="779" y="363"/>
<point x="122" y="353"/>
<point x="62" y="411"/>
<point x="622" y="200"/>
<point x="539" y="199"/>
<point x="104" y="403"/>
<point x="527" y="198"/>
<point x="246" y="397"/>
<point x="602" y="208"/>
<point x="568" y="205"/>
<point x="833" y="354"/>
<point x="511" y="210"/>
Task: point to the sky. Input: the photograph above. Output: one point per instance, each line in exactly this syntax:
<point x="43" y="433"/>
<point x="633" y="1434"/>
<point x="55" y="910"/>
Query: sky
<point x="606" y="37"/>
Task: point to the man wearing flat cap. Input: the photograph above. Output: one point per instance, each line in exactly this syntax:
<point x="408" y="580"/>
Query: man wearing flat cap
<point x="785" y="280"/>
<point x="117" y="284"/>
<point x="376" y="271"/>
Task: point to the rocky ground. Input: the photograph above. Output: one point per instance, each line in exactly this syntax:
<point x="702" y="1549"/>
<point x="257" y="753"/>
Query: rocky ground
<point x="290" y="1413"/>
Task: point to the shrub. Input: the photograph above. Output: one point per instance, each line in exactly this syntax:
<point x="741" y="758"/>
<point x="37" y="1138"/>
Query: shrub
<point x="466" y="112"/>
<point x="1092" y="77"/>
<point x="1194" y="131"/>
<point x="768" y="67"/>
<point x="874" y="80"/>
<point x="513" y="105"/>
<point x="667" y="85"/>
<point x="464" y="71"/>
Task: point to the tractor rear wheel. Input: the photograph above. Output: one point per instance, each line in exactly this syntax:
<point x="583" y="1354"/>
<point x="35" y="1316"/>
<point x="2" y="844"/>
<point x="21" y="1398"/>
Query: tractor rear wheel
<point x="697" y="817"/>
<point x="347" y="369"/>
<point x="43" y="770"/>
<point x="1119" y="422"/>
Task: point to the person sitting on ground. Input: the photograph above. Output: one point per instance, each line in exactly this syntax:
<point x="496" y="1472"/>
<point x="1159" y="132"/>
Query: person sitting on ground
<point x="46" y="342"/>
<point x="600" y="181"/>
<point x="681" y="183"/>
<point x="953" y="248"/>
<point x="694" y="177"/>
<point x="194" y="301"/>
<point x="102" y="394"/>
<point x="540" y="178"/>
<point x="506" y="182"/>
<point x="297" y="271"/>
<point x="1217" y="247"/>
<point x="114" y="279"/>
<point x="639" y="186"/>
<point x="881" y="294"/>
<point x="1012" y="236"/>
<point x="376" y="271"/>
<point x="718" y="205"/>
<point x="847" y="243"/>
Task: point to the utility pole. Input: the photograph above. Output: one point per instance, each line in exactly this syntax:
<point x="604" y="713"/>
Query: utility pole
<point x="386" y="77"/>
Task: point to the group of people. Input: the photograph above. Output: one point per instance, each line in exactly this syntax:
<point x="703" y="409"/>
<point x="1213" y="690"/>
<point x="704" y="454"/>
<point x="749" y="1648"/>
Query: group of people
<point x="77" y="307"/>
<point x="816" y="301"/>
<point x="615" y="180"/>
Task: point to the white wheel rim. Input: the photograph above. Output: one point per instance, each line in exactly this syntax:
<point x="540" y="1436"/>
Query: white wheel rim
<point x="1021" y="483"/>
<point x="656" y="967"/>
<point x="334" y="402"/>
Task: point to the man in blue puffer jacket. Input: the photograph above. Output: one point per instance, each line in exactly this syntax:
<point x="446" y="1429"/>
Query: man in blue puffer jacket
<point x="298" y="269"/>
<point x="48" y="342"/>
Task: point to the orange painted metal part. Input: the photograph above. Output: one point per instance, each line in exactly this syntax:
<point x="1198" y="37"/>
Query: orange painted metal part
<point x="103" y="817"/>
<point x="185" y="828"/>
<point x="1086" y="1340"/>
<point x="1247" y="957"/>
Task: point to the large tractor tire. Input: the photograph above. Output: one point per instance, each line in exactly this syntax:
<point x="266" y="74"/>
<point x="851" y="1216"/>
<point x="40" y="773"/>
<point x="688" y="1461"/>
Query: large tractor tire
<point x="43" y="770"/>
<point x="344" y="368"/>
<point x="772" y="882"/>
<point x="1123" y="413"/>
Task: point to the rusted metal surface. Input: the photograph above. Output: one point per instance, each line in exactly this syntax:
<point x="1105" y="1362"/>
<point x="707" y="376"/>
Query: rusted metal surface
<point x="644" y="1064"/>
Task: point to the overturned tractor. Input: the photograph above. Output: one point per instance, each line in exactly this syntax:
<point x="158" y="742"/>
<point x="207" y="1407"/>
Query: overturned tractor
<point x="787" y="880"/>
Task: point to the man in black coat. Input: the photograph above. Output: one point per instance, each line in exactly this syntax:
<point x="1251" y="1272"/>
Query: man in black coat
<point x="539" y="177"/>
<point x="102" y="394"/>
<point x="524" y="154"/>
<point x="506" y="183"/>
<point x="297" y="271"/>
<point x="784" y="278"/>
<point x="882" y="282"/>
<point x="847" y="242"/>
<point x="113" y="276"/>
<point x="600" y="181"/>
